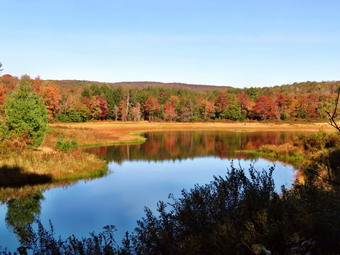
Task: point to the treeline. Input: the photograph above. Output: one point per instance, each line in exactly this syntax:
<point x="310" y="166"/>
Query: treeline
<point x="307" y="100"/>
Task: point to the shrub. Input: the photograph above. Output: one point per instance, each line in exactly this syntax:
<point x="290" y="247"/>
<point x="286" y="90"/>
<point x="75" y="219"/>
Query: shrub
<point x="3" y="131"/>
<point x="63" y="117"/>
<point x="317" y="141"/>
<point x="65" y="145"/>
<point x="26" y="114"/>
<point x="71" y="116"/>
<point x="235" y="214"/>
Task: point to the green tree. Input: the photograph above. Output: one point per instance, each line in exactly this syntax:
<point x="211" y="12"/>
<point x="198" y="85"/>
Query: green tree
<point x="26" y="114"/>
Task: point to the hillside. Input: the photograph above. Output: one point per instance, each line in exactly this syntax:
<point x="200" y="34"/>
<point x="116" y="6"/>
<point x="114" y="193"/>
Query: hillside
<point x="138" y="84"/>
<point x="295" y="88"/>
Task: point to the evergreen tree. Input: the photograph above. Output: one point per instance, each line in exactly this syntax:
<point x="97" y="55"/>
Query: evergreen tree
<point x="26" y="114"/>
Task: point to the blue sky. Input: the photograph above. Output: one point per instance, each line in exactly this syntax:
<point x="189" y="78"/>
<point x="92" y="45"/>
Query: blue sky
<point x="236" y="43"/>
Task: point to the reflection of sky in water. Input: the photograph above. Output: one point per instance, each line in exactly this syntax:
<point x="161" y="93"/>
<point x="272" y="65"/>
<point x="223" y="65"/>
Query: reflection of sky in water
<point x="120" y="197"/>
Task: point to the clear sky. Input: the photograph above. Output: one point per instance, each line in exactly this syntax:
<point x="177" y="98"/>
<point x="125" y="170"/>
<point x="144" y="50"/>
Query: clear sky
<point x="237" y="43"/>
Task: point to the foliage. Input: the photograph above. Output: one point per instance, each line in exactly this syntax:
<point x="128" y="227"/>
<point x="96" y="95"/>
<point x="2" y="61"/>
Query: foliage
<point x="265" y="108"/>
<point x="284" y="152"/>
<point x="26" y="114"/>
<point x="76" y="101"/>
<point x="317" y="141"/>
<point x="65" y="145"/>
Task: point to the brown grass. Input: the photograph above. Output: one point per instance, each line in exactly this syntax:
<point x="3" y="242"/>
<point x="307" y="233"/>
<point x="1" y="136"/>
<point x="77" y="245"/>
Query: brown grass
<point x="111" y="132"/>
<point x="58" y="165"/>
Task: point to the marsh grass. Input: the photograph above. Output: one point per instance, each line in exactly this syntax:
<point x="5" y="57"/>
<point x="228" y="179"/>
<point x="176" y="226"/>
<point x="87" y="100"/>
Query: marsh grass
<point x="285" y="152"/>
<point x="59" y="166"/>
<point x="316" y="155"/>
<point x="97" y="133"/>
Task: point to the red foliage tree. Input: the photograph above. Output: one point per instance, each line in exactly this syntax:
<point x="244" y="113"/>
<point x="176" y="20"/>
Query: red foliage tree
<point x="2" y="94"/>
<point x="245" y="103"/>
<point x="221" y="103"/>
<point x="209" y="109"/>
<point x="313" y="106"/>
<point x="283" y="102"/>
<point x="10" y="82"/>
<point x="103" y="106"/>
<point x="150" y="107"/>
<point x="170" y="110"/>
<point x="266" y="108"/>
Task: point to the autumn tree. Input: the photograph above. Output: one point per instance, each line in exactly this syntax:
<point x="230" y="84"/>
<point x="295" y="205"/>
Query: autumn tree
<point x="9" y="82"/>
<point x="103" y="106"/>
<point x="184" y="113"/>
<point x="123" y="109"/>
<point x="209" y="109"/>
<point x="245" y="103"/>
<point x="221" y="104"/>
<point x="169" y="111"/>
<point x="307" y="106"/>
<point x="282" y="102"/>
<point x="136" y="112"/>
<point x="2" y="95"/>
<point x="52" y="98"/>
<point x="265" y="108"/>
<point x="151" y="106"/>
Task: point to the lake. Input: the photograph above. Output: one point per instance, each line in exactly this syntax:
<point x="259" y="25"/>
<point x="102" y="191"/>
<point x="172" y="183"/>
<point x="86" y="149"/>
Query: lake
<point x="140" y="175"/>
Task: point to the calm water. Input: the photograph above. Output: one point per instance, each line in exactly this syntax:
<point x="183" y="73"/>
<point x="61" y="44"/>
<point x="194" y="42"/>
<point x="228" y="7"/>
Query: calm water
<point x="140" y="175"/>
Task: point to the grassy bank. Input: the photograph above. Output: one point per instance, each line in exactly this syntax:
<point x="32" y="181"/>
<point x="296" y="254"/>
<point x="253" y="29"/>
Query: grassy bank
<point x="317" y="155"/>
<point x="286" y="153"/>
<point x="21" y="165"/>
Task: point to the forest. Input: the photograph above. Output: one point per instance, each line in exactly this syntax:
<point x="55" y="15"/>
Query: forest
<point x="80" y="101"/>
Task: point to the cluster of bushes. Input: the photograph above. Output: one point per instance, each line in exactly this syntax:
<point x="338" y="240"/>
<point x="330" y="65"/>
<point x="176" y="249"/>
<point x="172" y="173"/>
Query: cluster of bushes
<point x="235" y="214"/>
<point x="317" y="141"/>
<point x="285" y="152"/>
<point x="65" y="144"/>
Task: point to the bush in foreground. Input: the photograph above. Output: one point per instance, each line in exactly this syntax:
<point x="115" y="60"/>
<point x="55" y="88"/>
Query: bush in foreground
<point x="235" y="214"/>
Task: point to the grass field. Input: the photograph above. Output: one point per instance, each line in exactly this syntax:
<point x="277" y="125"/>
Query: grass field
<point x="114" y="132"/>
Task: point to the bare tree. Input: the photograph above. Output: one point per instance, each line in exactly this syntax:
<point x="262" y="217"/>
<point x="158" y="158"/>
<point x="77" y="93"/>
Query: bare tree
<point x="332" y="115"/>
<point x="0" y="67"/>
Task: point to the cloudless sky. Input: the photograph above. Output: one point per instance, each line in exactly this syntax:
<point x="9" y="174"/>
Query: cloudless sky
<point x="236" y="43"/>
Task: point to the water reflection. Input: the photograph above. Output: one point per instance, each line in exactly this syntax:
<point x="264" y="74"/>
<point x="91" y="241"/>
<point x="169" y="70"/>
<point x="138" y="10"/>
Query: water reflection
<point x="178" y="145"/>
<point x="21" y="212"/>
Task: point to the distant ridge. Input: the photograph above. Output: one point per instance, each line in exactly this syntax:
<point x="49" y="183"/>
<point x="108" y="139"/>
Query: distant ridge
<point x="139" y="84"/>
<point x="320" y="87"/>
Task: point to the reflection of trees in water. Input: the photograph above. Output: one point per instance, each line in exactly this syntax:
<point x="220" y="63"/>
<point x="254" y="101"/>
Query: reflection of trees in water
<point x="183" y="144"/>
<point x="21" y="213"/>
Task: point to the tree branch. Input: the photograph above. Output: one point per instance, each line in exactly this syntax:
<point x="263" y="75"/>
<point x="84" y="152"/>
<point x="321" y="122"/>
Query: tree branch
<point x="333" y="115"/>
